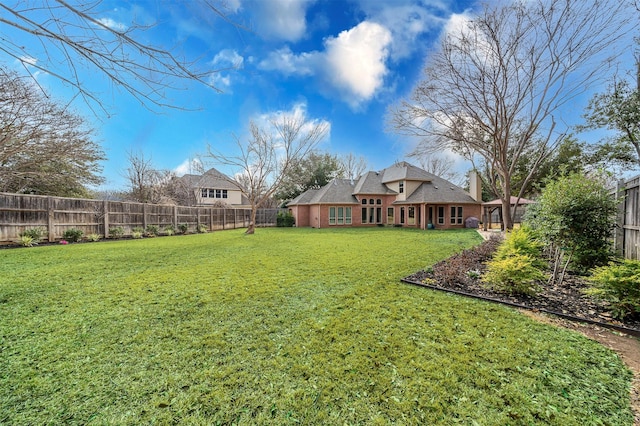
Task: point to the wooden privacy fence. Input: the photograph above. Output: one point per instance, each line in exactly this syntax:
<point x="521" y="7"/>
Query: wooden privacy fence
<point x="627" y="236"/>
<point x="19" y="212"/>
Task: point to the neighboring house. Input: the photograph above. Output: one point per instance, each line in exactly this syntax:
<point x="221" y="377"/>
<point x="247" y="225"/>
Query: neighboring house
<point x="213" y="188"/>
<point x="400" y="195"/>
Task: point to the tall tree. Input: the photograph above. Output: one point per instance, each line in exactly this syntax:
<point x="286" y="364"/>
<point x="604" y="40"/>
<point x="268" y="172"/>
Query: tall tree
<point x="44" y="148"/>
<point x="66" y="39"/>
<point x="268" y="155"/>
<point x="618" y="109"/>
<point x="311" y="172"/>
<point x="497" y="82"/>
<point x="353" y="166"/>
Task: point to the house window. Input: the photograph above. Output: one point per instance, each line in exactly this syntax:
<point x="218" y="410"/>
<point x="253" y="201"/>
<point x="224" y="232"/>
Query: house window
<point x="371" y="213"/>
<point x="378" y="201"/>
<point x="205" y="192"/>
<point x="218" y="193"/>
<point x="371" y="201"/>
<point x="339" y="215"/>
<point x="401" y="187"/>
<point x="456" y="215"/>
<point x="402" y="215"/>
<point x="224" y="193"/>
<point x="379" y="215"/>
<point x="411" y="216"/>
<point x="440" y="215"/>
<point x="364" y="215"/>
<point x="390" y="215"/>
<point x="364" y="201"/>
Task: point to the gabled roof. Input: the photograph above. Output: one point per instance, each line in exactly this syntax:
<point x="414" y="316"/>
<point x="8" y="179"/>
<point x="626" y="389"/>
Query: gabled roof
<point x="338" y="191"/>
<point x="438" y="191"/>
<point x="371" y="183"/>
<point x="212" y="178"/>
<point x="405" y="171"/>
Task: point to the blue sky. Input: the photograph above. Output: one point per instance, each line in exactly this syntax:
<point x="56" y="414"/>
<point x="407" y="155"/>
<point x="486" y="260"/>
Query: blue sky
<point x="341" y="61"/>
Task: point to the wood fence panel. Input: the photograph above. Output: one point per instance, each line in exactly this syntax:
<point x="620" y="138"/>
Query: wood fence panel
<point x="19" y="212"/>
<point x="627" y="239"/>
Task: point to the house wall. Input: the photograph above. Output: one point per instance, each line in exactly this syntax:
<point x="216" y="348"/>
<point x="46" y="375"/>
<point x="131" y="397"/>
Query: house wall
<point x="301" y="215"/>
<point x="234" y="198"/>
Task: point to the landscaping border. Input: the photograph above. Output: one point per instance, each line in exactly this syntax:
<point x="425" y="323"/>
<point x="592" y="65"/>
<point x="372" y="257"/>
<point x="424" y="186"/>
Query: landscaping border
<point x="622" y="329"/>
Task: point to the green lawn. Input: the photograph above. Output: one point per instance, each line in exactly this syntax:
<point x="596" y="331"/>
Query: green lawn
<point x="286" y="326"/>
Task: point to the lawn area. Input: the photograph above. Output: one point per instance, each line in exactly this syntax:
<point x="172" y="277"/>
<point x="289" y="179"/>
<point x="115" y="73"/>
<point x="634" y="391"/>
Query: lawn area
<point x="286" y="326"/>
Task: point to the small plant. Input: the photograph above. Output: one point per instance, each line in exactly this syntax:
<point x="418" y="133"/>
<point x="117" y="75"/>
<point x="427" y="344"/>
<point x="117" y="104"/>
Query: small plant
<point x="515" y="274"/>
<point x="94" y="237"/>
<point x="116" y="232"/>
<point x="64" y="242"/>
<point x="136" y="234"/>
<point x="152" y="231"/>
<point x="169" y="230"/>
<point x="27" y="241"/>
<point x="72" y="235"/>
<point x="183" y="228"/>
<point x="202" y="228"/>
<point x="36" y="234"/>
<point x="619" y="285"/>
<point x="139" y="229"/>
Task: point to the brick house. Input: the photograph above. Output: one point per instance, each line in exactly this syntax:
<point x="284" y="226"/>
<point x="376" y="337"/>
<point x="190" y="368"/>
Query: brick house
<point x="400" y="195"/>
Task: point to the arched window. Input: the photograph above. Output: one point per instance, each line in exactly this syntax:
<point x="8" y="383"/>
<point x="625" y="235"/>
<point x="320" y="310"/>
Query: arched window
<point x="378" y="201"/>
<point x="364" y="201"/>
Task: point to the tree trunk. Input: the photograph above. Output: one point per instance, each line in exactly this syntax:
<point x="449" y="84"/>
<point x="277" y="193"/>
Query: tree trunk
<point x="252" y="222"/>
<point x="506" y="202"/>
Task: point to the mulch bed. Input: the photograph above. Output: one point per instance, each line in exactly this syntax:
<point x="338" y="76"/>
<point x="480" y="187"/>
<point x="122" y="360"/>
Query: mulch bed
<point x="461" y="274"/>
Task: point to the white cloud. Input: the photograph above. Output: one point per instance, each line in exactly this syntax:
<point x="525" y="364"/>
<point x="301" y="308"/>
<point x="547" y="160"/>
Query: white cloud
<point x="110" y="23"/>
<point x="190" y="165"/>
<point x="298" y="112"/>
<point x="356" y="60"/>
<point x="281" y="19"/>
<point x="226" y="60"/>
<point x="288" y="63"/>
<point x="353" y="64"/>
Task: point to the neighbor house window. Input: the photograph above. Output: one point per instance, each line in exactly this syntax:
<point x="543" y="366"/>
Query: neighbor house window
<point x="411" y="216"/>
<point x="440" y="215"/>
<point x="390" y="215"/>
<point x="205" y="192"/>
<point x="456" y="215"/>
<point x="339" y="215"/>
<point x="401" y="187"/>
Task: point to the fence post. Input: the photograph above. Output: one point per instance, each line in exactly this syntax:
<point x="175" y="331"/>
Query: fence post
<point x="144" y="216"/>
<point x="618" y="236"/>
<point x="175" y="217"/>
<point x="50" y="219"/>
<point x="105" y="209"/>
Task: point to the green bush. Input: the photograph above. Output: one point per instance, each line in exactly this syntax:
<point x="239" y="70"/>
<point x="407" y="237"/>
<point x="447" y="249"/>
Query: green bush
<point x="152" y="231"/>
<point x="285" y="219"/>
<point x="202" y="228"/>
<point x="139" y="229"/>
<point x="169" y="230"/>
<point x="137" y="234"/>
<point x="116" y="232"/>
<point x="94" y="237"/>
<point x="73" y="235"/>
<point x="516" y="274"/>
<point x="36" y="234"/>
<point x="619" y="285"/>
<point x="183" y="228"/>
<point x="517" y="265"/>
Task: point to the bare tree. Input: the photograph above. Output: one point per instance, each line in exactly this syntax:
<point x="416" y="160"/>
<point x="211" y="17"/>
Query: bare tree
<point x="352" y="166"/>
<point x="495" y="85"/>
<point x="65" y="40"/>
<point x="266" y="157"/>
<point x="441" y="166"/>
<point x="44" y="148"/>
<point x="150" y="185"/>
